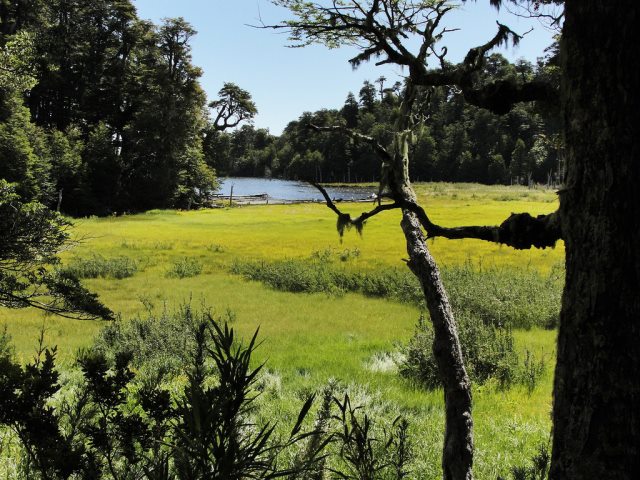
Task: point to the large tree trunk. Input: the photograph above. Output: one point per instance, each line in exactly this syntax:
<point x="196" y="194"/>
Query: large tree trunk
<point x="596" y="413"/>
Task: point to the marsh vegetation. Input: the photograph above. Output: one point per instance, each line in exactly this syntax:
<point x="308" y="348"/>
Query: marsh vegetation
<point x="344" y="314"/>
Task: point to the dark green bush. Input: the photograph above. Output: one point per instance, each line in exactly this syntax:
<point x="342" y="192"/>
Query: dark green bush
<point x="184" y="268"/>
<point x="159" y="343"/>
<point x="488" y="352"/>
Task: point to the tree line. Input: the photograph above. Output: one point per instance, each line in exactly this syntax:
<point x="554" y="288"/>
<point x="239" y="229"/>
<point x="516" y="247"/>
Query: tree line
<point x="456" y="141"/>
<point x="100" y="111"/>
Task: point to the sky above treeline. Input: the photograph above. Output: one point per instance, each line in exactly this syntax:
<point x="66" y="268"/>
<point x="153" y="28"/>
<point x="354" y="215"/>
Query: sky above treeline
<point x="285" y="82"/>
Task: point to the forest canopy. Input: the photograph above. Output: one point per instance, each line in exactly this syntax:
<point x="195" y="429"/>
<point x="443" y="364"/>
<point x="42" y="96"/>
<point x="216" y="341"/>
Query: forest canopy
<point x="103" y="113"/>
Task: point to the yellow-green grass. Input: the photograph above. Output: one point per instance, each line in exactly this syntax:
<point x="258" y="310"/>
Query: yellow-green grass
<point x="309" y="338"/>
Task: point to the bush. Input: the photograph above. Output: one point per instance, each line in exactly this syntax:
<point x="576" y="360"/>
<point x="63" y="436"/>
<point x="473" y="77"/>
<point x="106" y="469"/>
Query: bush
<point x="506" y="297"/>
<point x="114" y="426"/>
<point x="185" y="267"/>
<point x="488" y="352"/>
<point x="99" y="267"/>
<point x="198" y="421"/>
<point x="290" y="276"/>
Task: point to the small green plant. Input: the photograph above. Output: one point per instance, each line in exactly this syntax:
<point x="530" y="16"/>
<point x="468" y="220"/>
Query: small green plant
<point x="184" y="268"/>
<point x="6" y="349"/>
<point x="216" y="248"/>
<point x="129" y="245"/>
<point x="163" y="246"/>
<point x="532" y="371"/>
<point x="369" y="453"/>
<point x="98" y="266"/>
<point x="322" y="256"/>
<point x="538" y="470"/>
<point x="348" y="254"/>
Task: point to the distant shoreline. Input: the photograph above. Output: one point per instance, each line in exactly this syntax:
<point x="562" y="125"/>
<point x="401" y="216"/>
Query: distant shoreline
<point x="221" y="201"/>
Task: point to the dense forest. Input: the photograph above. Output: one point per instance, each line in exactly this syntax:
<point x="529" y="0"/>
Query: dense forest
<point x="457" y="141"/>
<point x="102" y="112"/>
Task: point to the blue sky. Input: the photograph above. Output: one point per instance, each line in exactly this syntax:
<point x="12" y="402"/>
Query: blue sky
<point x="285" y="82"/>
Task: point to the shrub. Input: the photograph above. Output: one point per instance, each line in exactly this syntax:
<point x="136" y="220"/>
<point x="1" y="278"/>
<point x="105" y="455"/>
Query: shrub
<point x="488" y="351"/>
<point x="503" y="297"/>
<point x="185" y="267"/>
<point x="114" y="426"/>
<point x="506" y="297"/>
<point x="289" y="276"/>
<point x="367" y="452"/>
<point x="532" y="371"/>
<point x="98" y="266"/>
<point x="216" y="248"/>
<point x="159" y="343"/>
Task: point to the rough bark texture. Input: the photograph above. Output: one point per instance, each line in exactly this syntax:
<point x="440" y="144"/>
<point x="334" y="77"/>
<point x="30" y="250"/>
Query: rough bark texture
<point x="457" y="452"/>
<point x="596" y="413"/>
<point x="457" y="457"/>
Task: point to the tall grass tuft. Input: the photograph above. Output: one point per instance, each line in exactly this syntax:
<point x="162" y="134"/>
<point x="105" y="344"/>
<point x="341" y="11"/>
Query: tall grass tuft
<point x="98" y="266"/>
<point x="184" y="268"/>
<point x="538" y="470"/>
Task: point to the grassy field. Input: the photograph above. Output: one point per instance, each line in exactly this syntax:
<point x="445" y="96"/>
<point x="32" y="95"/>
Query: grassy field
<point x="311" y="338"/>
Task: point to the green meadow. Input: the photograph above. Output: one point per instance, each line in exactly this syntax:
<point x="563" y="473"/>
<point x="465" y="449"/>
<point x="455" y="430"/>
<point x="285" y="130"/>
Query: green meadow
<point x="179" y="257"/>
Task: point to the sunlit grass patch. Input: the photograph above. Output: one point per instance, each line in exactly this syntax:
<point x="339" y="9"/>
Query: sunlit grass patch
<point x="310" y="338"/>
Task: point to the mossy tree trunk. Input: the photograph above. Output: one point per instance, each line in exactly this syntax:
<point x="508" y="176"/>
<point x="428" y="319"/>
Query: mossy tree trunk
<point x="596" y="416"/>
<point x="457" y="455"/>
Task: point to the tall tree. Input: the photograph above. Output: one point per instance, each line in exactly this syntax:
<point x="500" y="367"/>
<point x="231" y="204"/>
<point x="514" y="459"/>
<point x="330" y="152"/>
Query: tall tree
<point x="350" y="111"/>
<point x="597" y="390"/>
<point x="596" y="419"/>
<point x="368" y="96"/>
<point x="233" y="106"/>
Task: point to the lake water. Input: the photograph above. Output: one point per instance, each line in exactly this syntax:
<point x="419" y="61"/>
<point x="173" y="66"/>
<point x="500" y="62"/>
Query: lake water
<point x="289" y="189"/>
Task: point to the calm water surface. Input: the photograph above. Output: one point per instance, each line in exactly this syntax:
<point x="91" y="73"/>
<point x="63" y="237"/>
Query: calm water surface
<point x="289" y="189"/>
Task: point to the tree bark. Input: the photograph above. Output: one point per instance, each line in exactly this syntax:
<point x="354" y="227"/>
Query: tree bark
<point x="457" y="455"/>
<point x="457" y="452"/>
<point x="596" y="416"/>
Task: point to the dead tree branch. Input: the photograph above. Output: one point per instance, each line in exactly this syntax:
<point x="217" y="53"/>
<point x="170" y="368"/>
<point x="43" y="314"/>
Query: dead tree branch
<point x="520" y="231"/>
<point x="379" y="149"/>
<point x="345" y="220"/>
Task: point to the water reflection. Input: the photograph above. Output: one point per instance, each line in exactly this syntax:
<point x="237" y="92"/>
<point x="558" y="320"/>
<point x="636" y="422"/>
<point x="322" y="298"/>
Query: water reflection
<point x="289" y="189"/>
